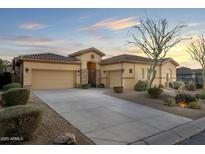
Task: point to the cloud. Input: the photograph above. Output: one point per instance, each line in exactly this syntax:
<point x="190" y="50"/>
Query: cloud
<point x="194" y="24"/>
<point x="17" y="45"/>
<point x="32" y="26"/>
<point x="32" y="40"/>
<point x="112" y="24"/>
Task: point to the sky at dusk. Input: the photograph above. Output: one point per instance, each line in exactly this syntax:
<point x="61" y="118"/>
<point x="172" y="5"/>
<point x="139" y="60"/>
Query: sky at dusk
<point x="64" y="31"/>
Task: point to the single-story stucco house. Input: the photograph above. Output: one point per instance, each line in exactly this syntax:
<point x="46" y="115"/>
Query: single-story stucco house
<point x="186" y="74"/>
<point x="52" y="71"/>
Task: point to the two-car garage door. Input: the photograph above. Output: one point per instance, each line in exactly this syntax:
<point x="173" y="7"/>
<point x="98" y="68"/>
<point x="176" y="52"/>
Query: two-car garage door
<point x="52" y="79"/>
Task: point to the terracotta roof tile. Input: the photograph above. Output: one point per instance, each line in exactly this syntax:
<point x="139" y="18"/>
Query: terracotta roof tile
<point x="48" y="57"/>
<point x="87" y="50"/>
<point x="131" y="58"/>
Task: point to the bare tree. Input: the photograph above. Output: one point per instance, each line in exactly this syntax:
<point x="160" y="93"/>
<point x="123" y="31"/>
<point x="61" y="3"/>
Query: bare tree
<point x="156" y="39"/>
<point x="197" y="52"/>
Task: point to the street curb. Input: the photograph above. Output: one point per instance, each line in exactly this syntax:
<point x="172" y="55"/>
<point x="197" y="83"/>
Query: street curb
<point x="177" y="134"/>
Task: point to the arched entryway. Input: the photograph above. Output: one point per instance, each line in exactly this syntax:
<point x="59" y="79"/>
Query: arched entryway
<point x="91" y="73"/>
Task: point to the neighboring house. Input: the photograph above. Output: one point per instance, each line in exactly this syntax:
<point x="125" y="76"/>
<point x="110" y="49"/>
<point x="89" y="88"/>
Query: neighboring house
<point x="51" y="71"/>
<point x="187" y="74"/>
<point x="9" y="68"/>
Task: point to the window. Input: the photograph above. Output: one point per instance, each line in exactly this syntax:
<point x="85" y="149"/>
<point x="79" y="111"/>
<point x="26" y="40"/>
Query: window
<point x="143" y="73"/>
<point x="92" y="56"/>
<point x="167" y="77"/>
<point x="170" y="73"/>
<point x="147" y="73"/>
<point x="130" y="70"/>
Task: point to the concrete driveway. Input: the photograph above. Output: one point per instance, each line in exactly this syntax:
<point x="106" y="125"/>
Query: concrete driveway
<point x="108" y="120"/>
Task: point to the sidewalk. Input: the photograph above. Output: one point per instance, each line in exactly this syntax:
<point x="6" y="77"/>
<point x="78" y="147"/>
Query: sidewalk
<point x="175" y="135"/>
<point x="198" y="139"/>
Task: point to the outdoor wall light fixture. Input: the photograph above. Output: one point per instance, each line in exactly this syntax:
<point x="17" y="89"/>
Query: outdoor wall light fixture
<point x="26" y="70"/>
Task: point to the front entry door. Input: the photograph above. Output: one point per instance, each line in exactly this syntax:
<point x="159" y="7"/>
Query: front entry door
<point x="91" y="73"/>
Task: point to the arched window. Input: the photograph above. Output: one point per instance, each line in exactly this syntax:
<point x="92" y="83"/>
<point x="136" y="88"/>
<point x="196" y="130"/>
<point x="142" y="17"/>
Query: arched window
<point x="167" y="77"/>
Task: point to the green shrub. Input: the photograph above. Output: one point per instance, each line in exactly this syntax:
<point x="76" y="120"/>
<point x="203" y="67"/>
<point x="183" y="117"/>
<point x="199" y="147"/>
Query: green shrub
<point x="19" y="121"/>
<point x="169" y="101"/>
<point x="155" y="92"/>
<point x="184" y="98"/>
<point x="85" y="86"/>
<point x="171" y="85"/>
<point x="199" y="86"/>
<point x="180" y="98"/>
<point x="15" y="96"/>
<point x="191" y="86"/>
<point x="11" y="85"/>
<point x="195" y="105"/>
<point x="201" y="95"/>
<point x="101" y="85"/>
<point x="161" y="86"/>
<point x="118" y="89"/>
<point x="190" y="98"/>
<point x="178" y="84"/>
<point x="141" y="85"/>
<point x="197" y="96"/>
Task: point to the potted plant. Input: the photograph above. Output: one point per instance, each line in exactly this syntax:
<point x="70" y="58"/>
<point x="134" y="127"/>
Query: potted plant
<point x="154" y="92"/>
<point x="118" y="89"/>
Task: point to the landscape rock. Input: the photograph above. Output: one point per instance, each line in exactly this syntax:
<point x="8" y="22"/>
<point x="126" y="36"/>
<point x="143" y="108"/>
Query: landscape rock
<point x="66" y="138"/>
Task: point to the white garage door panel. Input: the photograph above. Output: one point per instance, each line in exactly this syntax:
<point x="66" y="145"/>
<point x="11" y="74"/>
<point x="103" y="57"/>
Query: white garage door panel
<point x="52" y="79"/>
<point x="115" y="78"/>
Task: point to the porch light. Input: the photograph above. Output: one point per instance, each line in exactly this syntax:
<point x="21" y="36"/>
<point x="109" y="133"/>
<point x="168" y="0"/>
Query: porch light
<point x="26" y="70"/>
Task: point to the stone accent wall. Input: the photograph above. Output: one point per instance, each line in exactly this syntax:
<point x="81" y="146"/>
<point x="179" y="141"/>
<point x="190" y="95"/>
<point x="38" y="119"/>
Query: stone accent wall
<point x="84" y="76"/>
<point x="77" y="79"/>
<point x="27" y="87"/>
<point x="98" y="77"/>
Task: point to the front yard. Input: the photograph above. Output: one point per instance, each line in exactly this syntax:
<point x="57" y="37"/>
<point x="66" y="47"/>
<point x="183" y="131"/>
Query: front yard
<point x="105" y="119"/>
<point x="53" y="125"/>
<point x="157" y="103"/>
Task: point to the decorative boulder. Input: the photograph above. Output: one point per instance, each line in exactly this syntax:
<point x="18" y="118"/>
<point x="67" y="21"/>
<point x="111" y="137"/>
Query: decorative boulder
<point x="66" y="138"/>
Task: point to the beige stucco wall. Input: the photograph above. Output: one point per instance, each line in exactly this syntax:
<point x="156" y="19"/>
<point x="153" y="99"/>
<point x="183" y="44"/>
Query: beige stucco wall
<point x="130" y="79"/>
<point x="27" y="76"/>
<point x="166" y="67"/>
<point x="86" y="57"/>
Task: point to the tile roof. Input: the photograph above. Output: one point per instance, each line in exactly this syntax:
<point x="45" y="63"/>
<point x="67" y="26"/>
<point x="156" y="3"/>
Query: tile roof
<point x="87" y="50"/>
<point x="48" y="57"/>
<point x="132" y="58"/>
<point x="186" y="71"/>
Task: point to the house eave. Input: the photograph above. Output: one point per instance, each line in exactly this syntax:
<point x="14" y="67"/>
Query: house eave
<point x="49" y="61"/>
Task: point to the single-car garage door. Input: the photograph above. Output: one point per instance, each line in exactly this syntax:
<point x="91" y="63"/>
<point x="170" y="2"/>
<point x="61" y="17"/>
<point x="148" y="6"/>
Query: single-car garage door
<point x="52" y="79"/>
<point x="115" y="78"/>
